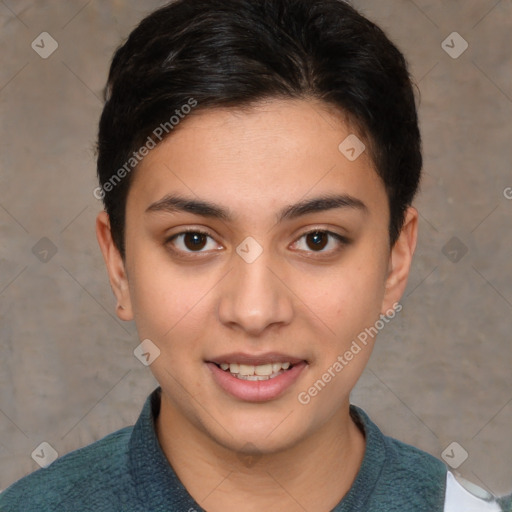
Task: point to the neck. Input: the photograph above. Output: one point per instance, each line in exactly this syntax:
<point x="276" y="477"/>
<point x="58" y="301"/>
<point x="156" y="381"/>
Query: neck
<point x="313" y="474"/>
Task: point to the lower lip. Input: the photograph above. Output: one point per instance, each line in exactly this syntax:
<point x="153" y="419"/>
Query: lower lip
<point x="256" y="390"/>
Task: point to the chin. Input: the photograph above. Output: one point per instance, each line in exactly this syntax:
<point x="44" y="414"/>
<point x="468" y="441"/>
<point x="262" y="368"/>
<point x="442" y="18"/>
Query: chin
<point x="244" y="434"/>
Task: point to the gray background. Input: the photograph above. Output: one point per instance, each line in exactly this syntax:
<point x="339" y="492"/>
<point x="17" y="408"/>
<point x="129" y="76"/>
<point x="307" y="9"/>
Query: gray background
<point x="441" y="370"/>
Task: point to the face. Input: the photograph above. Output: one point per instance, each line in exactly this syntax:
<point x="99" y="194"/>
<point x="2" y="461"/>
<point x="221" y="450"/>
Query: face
<point x="256" y="254"/>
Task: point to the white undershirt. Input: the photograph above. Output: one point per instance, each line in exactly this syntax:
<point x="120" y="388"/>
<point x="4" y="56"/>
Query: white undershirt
<point x="459" y="499"/>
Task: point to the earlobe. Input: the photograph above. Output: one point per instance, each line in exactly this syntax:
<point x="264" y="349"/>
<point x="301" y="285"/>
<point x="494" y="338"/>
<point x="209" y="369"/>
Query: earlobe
<point x="115" y="267"/>
<point x="400" y="260"/>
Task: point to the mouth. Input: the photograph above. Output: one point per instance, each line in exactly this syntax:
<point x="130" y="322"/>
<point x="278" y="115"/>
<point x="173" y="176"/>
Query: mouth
<point x="255" y="372"/>
<point x="256" y="378"/>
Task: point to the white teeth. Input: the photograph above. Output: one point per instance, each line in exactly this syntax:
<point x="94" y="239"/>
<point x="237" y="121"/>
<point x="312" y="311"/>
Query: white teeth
<point x="253" y="377"/>
<point x="264" y="369"/>
<point x="246" y="369"/>
<point x="254" y="372"/>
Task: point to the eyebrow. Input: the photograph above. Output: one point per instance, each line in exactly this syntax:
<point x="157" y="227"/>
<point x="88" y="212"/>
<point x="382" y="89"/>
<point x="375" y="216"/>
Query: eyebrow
<point x="176" y="203"/>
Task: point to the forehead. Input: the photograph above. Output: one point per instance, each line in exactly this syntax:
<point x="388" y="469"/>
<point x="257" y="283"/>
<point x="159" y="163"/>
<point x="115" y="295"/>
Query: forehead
<point x="259" y="158"/>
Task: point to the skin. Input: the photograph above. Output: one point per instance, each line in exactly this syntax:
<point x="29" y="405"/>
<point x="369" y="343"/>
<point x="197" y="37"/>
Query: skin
<point x="294" y="298"/>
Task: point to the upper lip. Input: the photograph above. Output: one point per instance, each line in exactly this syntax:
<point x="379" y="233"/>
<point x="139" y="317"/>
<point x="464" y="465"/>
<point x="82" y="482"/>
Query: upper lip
<point x="256" y="359"/>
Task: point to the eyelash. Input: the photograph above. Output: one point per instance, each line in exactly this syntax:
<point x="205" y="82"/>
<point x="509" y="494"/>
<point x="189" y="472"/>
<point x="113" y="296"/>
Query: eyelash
<point x="342" y="240"/>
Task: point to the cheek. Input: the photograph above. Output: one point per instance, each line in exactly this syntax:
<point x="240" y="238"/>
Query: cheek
<point x="348" y="302"/>
<point x="167" y="300"/>
<point x="171" y="310"/>
<point x="347" y="298"/>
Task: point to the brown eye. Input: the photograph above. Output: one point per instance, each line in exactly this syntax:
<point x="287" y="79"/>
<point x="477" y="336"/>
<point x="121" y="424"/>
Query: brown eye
<point x="194" y="241"/>
<point x="321" y="241"/>
<point x="317" y="240"/>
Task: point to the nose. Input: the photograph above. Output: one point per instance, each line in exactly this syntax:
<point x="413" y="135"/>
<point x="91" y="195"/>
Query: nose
<point x="253" y="297"/>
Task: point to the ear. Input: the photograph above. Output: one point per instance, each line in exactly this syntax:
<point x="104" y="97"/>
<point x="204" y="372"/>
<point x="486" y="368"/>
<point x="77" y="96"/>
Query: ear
<point x="115" y="267"/>
<point x="400" y="260"/>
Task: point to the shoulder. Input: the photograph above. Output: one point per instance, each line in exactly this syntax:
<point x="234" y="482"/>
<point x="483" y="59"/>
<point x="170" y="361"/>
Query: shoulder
<point x="401" y="476"/>
<point x="69" y="481"/>
<point x="402" y="461"/>
<point x="420" y="478"/>
<point x="412" y="479"/>
<point x="410" y="461"/>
